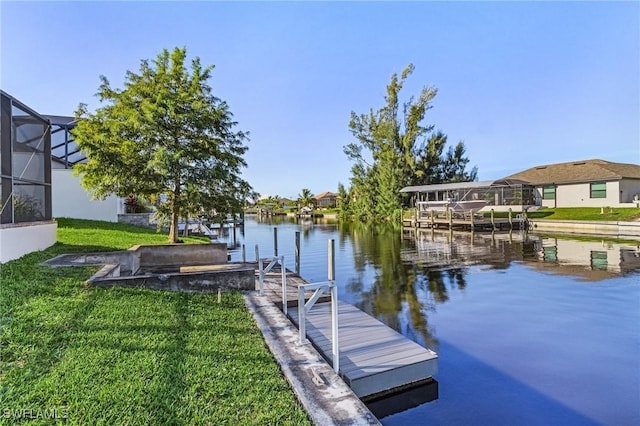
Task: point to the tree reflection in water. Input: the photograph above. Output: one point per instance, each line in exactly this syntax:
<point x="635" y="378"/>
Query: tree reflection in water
<point x="398" y="286"/>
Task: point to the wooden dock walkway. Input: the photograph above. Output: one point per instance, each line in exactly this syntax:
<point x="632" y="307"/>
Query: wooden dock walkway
<point x="374" y="359"/>
<point x="476" y="224"/>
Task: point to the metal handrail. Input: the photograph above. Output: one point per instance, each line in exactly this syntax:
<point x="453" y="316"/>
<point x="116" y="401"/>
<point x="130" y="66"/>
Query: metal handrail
<point x="304" y="308"/>
<point x="262" y="271"/>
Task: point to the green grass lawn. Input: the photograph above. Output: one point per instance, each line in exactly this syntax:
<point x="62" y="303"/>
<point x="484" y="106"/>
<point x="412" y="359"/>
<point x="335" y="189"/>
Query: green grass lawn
<point x="577" y="213"/>
<point x="129" y="356"/>
<point x="587" y="213"/>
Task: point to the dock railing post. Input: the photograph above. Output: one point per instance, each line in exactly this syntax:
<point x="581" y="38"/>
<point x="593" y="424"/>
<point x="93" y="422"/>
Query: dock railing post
<point x="493" y="222"/>
<point x="331" y="260"/>
<point x="284" y="285"/>
<point x="302" y="326"/>
<point x="244" y="254"/>
<point x="297" y="253"/>
<point x="304" y="308"/>
<point x="510" y="219"/>
<point x="334" y="328"/>
<point x="260" y="274"/>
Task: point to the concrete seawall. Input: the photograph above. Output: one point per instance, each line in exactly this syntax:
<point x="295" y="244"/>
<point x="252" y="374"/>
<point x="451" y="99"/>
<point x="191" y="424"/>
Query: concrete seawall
<point x="608" y="228"/>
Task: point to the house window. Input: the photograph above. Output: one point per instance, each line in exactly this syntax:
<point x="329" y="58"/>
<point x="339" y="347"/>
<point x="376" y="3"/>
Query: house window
<point x="599" y="190"/>
<point x="549" y="192"/>
<point x="599" y="260"/>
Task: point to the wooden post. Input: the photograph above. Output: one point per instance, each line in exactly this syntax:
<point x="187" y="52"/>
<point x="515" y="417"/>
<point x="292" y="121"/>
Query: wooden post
<point x="297" y="252"/>
<point x="331" y="260"/>
<point x="493" y="222"/>
<point x="275" y="241"/>
<point x="450" y="217"/>
<point x="433" y="218"/>
<point x="472" y="220"/>
<point x="244" y="254"/>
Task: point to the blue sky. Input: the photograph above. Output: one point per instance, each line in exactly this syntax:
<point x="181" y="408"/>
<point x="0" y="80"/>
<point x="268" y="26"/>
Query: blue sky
<point x="520" y="83"/>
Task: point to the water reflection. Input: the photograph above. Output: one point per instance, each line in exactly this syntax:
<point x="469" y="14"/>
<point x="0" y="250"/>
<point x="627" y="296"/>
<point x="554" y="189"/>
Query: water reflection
<point x="585" y="259"/>
<point x="537" y="319"/>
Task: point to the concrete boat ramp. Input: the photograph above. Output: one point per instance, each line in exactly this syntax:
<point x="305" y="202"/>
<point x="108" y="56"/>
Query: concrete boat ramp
<point x="375" y="361"/>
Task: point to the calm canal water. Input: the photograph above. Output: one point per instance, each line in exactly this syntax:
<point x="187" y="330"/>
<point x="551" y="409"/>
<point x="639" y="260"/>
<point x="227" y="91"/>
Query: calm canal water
<point x="529" y="330"/>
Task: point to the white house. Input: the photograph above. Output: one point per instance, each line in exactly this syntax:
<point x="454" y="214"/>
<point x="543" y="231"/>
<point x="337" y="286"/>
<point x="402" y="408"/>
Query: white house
<point x="588" y="183"/>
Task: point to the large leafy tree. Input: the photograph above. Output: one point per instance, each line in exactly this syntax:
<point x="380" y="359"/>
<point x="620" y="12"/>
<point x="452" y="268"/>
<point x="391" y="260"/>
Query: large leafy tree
<point x="394" y="149"/>
<point x="167" y="137"/>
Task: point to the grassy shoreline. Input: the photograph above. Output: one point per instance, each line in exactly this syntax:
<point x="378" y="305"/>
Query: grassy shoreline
<point x="129" y="356"/>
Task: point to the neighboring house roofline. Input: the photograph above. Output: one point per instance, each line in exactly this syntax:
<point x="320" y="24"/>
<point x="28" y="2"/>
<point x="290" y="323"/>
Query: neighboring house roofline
<point x="576" y="172"/>
<point x="325" y="194"/>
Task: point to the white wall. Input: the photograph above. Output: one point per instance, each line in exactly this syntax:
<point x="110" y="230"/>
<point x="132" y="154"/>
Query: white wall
<point x="579" y="195"/>
<point x="20" y="239"/>
<point x="70" y="199"/>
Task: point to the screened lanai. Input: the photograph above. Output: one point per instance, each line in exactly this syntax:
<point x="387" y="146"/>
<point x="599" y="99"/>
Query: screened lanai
<point x="25" y="180"/>
<point x="64" y="150"/>
<point x="25" y="155"/>
<point x="494" y="193"/>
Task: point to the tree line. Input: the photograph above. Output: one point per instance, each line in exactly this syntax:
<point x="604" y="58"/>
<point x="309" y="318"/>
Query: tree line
<point x="167" y="139"/>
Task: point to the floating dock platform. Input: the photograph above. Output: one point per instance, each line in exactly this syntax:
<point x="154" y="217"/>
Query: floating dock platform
<point x="374" y="359"/>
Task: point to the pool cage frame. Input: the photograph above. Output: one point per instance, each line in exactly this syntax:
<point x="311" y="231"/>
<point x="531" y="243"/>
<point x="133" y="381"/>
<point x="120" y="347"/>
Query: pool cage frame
<point x="25" y="163"/>
<point x="516" y="195"/>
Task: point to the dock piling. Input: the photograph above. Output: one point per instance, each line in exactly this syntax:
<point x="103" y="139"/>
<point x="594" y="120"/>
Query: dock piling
<point x="275" y="241"/>
<point x="297" y="253"/>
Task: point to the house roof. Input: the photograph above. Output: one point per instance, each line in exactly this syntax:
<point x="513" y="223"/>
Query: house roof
<point x="576" y="172"/>
<point x="325" y="194"/>
<point x="447" y="186"/>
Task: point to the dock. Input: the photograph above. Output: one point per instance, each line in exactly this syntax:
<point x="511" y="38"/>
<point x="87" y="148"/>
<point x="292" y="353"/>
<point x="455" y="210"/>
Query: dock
<point x="466" y="222"/>
<point x="375" y="360"/>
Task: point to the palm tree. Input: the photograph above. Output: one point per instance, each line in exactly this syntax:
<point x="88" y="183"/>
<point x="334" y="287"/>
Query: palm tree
<point x="305" y="198"/>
